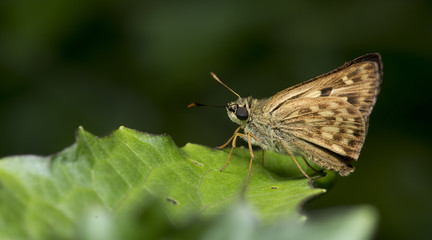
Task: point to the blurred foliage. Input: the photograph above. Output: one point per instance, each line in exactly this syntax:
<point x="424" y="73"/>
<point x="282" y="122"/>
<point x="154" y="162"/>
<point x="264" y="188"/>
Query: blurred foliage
<point x="238" y="222"/>
<point x="103" y="64"/>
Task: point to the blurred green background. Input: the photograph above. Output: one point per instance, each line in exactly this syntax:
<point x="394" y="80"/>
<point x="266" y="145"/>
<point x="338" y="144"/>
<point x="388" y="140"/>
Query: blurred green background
<point x="103" y="64"/>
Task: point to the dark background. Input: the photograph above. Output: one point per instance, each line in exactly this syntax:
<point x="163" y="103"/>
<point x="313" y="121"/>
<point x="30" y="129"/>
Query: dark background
<point x="103" y="64"/>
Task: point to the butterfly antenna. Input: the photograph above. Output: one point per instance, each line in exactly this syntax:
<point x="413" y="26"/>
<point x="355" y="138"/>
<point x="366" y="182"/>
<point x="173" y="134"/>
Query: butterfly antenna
<point x="195" y="104"/>
<point x="217" y="79"/>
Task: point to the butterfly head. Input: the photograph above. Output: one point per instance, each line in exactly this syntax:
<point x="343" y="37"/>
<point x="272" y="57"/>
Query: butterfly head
<point x="239" y="111"/>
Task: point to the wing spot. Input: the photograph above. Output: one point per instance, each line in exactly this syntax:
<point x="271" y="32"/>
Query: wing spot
<point x="349" y="82"/>
<point x="345" y="141"/>
<point x="352" y="100"/>
<point x="314" y="108"/>
<point x="305" y="110"/>
<point x="357" y="133"/>
<point x="330" y="129"/>
<point x="297" y="122"/>
<point x="327" y="135"/>
<point x="326" y="113"/>
<point x="323" y="106"/>
<point x="337" y="137"/>
<point x="357" y="79"/>
<point x="351" y="111"/>
<point x="368" y="67"/>
<point x="337" y="148"/>
<point x="325" y="92"/>
<point x="353" y="73"/>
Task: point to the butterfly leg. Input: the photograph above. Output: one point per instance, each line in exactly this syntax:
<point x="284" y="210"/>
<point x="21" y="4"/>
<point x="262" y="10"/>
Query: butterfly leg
<point x="234" y="139"/>
<point x="229" y="140"/>
<point x="310" y="166"/>
<point x="258" y="139"/>
<point x="320" y="172"/>
<point x="248" y="136"/>
<point x="298" y="165"/>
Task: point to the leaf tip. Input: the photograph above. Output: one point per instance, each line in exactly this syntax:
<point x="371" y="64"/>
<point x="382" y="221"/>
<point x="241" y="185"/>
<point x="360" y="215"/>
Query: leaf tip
<point x="80" y="131"/>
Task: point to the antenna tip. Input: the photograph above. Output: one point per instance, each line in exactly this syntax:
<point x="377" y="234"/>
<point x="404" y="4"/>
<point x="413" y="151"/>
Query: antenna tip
<point x="191" y="105"/>
<point x="216" y="78"/>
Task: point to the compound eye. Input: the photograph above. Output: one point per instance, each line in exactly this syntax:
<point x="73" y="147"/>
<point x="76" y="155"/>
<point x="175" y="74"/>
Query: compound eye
<point x="242" y="113"/>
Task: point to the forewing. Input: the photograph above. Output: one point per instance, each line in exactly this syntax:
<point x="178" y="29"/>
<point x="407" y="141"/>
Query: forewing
<point x="329" y="122"/>
<point x="357" y="83"/>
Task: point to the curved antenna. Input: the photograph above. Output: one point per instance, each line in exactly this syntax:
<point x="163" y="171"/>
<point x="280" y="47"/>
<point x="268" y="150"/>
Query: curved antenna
<point x="217" y="79"/>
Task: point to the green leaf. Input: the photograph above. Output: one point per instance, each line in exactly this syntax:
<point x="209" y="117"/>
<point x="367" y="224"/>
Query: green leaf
<point x="43" y="197"/>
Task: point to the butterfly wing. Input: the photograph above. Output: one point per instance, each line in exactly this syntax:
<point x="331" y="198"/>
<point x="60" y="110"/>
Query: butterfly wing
<point x="329" y="123"/>
<point x="326" y="118"/>
<point x="357" y="82"/>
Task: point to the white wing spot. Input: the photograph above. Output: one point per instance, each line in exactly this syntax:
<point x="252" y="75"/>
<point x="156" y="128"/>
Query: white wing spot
<point x="326" y="113"/>
<point x="345" y="141"/>
<point x="337" y="148"/>
<point x="327" y="135"/>
<point x="349" y="82"/>
<point x="330" y="129"/>
<point x="314" y="108"/>
<point x="313" y="94"/>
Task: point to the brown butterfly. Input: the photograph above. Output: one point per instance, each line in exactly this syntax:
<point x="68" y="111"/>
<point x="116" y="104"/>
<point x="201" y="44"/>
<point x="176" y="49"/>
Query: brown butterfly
<point x="324" y="119"/>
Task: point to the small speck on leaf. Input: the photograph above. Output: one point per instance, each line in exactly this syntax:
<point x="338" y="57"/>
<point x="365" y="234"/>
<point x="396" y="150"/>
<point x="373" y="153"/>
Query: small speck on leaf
<point x="274" y="187"/>
<point x="170" y="200"/>
<point x="197" y="163"/>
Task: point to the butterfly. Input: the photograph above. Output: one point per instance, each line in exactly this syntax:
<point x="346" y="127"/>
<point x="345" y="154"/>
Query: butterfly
<point x="324" y="119"/>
